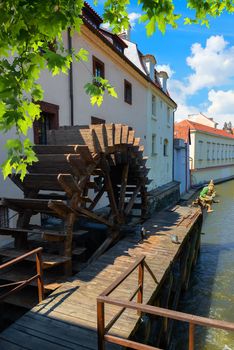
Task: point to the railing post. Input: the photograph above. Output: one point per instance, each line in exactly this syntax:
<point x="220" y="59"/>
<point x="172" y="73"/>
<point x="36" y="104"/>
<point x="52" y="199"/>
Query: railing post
<point x="40" y="284"/>
<point x="140" y="283"/>
<point x="100" y="325"/>
<point x="191" y="335"/>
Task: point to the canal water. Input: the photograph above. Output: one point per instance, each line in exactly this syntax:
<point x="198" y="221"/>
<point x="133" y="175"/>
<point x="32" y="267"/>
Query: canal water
<point x="211" y="290"/>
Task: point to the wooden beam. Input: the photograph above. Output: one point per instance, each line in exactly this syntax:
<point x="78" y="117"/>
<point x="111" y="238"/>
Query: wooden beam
<point x="22" y="204"/>
<point x="109" y="189"/>
<point x="131" y="136"/>
<point x="47" y="235"/>
<point x="85" y="153"/>
<point x="69" y="185"/>
<point x="53" y="237"/>
<point x="86" y="199"/>
<point x="124" y="138"/>
<point x="132" y="199"/>
<point x="97" y="198"/>
<point x="110" y="134"/>
<point x="54" y="149"/>
<point x="60" y="208"/>
<point x="91" y="215"/>
<point x="137" y="141"/>
<point x="78" y="164"/>
<point x="37" y="182"/>
<point x="117" y="134"/>
<point x="123" y="187"/>
<point x="22" y="222"/>
<point x="100" y="139"/>
<point x="68" y="242"/>
<point x="92" y="184"/>
<point x="16" y="179"/>
<point x="50" y="164"/>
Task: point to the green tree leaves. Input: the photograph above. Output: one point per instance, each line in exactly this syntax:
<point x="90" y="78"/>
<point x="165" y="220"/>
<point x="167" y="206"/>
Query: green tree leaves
<point x="97" y="89"/>
<point x="205" y="9"/>
<point x="19" y="155"/>
<point x="31" y="39"/>
<point x="115" y="12"/>
<point x="158" y="14"/>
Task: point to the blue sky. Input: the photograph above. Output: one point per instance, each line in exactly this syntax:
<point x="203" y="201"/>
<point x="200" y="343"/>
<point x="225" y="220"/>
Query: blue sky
<point x="200" y="62"/>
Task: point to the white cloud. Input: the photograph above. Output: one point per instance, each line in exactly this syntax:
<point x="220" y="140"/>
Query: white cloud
<point x="221" y="105"/>
<point x="183" y="110"/>
<point x="213" y="65"/>
<point x="133" y="17"/>
<point x="177" y="92"/>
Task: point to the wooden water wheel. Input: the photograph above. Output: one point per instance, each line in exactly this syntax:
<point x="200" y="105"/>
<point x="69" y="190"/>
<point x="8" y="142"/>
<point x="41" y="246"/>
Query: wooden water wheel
<point x="84" y="166"/>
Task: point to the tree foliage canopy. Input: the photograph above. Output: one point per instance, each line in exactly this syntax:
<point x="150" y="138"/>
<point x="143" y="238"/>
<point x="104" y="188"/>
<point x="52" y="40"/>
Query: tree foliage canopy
<point x="28" y="32"/>
<point x="160" y="13"/>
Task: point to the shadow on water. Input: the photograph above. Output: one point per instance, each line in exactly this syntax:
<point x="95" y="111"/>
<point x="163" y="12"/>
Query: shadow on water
<point x="211" y="287"/>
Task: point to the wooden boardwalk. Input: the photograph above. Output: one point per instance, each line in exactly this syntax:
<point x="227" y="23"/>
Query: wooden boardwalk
<point x="67" y="318"/>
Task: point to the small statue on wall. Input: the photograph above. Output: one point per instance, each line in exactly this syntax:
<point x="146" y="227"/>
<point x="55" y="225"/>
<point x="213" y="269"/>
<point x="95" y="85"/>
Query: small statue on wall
<point x="206" y="197"/>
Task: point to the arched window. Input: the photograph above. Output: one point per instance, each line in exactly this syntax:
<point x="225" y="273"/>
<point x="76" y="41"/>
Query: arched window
<point x="165" y="147"/>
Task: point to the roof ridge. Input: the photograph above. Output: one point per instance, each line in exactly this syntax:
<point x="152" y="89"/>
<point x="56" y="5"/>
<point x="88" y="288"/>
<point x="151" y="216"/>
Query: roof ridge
<point x="205" y="128"/>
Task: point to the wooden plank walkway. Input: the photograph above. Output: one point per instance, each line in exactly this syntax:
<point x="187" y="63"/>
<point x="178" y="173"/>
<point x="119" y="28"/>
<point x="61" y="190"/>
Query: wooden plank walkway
<point x="67" y="318"/>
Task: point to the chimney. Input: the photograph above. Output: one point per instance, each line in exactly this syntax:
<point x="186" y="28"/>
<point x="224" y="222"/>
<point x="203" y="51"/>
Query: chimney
<point x="163" y="76"/>
<point x="150" y="63"/>
<point x="126" y="34"/>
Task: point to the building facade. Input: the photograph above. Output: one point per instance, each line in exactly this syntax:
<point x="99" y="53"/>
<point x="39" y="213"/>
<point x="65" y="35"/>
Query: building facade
<point x="181" y="164"/>
<point x="202" y="119"/>
<point x="211" y="152"/>
<point x="143" y="100"/>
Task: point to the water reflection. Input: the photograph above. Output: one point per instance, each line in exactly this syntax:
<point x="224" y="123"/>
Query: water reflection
<point x="211" y="291"/>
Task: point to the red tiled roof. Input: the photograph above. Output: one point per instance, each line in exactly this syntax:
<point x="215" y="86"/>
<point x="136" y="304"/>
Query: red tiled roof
<point x="181" y="132"/>
<point x="185" y="125"/>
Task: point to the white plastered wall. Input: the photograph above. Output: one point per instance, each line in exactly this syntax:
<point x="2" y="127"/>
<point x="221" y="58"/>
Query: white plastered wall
<point x="112" y="110"/>
<point x="214" y="164"/>
<point x="161" y="166"/>
<point x="138" y="115"/>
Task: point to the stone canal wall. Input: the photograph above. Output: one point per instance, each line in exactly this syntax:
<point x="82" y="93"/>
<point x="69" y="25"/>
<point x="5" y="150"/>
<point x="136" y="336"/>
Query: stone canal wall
<point x="156" y="331"/>
<point x="163" y="197"/>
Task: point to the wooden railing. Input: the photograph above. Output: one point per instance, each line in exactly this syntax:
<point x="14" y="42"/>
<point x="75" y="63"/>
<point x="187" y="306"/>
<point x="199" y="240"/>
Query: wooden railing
<point x="17" y="286"/>
<point x="104" y="298"/>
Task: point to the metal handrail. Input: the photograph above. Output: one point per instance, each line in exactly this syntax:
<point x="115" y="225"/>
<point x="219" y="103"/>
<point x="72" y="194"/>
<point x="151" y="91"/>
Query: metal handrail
<point x="22" y="284"/>
<point x="140" y="308"/>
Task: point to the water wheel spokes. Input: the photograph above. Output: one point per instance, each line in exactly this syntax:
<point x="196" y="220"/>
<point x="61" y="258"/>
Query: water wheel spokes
<point x="86" y="166"/>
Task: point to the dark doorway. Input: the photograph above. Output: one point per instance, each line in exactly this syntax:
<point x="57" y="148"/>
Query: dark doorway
<point x="49" y="120"/>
